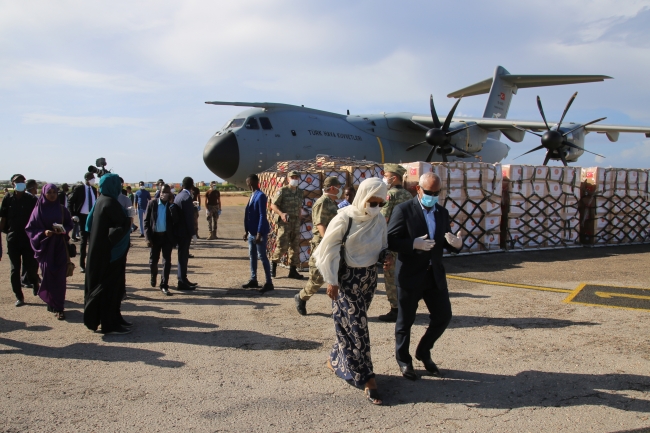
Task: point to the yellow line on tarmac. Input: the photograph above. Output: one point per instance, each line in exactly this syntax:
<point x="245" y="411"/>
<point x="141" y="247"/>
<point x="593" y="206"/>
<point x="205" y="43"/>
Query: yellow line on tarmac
<point x="621" y="295"/>
<point x="499" y="283"/>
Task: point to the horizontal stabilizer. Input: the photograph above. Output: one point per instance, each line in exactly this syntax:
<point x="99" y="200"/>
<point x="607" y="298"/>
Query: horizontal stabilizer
<point x="524" y="81"/>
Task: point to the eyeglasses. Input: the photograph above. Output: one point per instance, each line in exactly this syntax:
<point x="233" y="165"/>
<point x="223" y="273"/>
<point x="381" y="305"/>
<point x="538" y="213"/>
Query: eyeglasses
<point x="432" y="193"/>
<point x="375" y="204"/>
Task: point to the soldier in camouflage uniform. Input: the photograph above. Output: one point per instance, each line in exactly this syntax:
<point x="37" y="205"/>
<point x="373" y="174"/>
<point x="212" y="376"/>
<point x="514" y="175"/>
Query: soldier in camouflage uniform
<point x="322" y="213"/>
<point x="287" y="204"/>
<point x="393" y="174"/>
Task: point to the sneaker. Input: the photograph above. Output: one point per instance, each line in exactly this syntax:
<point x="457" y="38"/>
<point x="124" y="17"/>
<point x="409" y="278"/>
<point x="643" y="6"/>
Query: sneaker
<point x="267" y="287"/>
<point x="19" y="303"/>
<point x="301" y="305"/>
<point x="252" y="284"/>
<point x="165" y="290"/>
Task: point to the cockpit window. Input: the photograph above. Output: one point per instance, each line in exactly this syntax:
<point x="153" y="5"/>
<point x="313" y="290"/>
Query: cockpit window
<point x="236" y="123"/>
<point x="252" y="124"/>
<point x="266" y="123"/>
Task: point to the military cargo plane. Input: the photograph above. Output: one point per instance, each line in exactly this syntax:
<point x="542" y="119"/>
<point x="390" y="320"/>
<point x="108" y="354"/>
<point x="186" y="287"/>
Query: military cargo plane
<point x="269" y="132"/>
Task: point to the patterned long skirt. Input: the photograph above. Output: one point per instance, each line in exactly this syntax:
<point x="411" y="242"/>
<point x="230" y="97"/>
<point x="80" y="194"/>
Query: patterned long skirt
<point x="350" y="356"/>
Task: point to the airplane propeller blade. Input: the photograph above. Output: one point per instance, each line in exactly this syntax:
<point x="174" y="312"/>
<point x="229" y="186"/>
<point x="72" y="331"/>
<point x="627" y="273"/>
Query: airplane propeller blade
<point x="433" y="148"/>
<point x="566" y="143"/>
<point x="582" y="126"/>
<point x="424" y="128"/>
<point x="541" y="111"/>
<point x="445" y="127"/>
<point x="562" y="158"/>
<point x="571" y="99"/>
<point x="548" y="157"/>
<point x="526" y="130"/>
<point x="415" y="145"/>
<point x="456" y="131"/>
<point x="434" y="115"/>
<point x="530" y="151"/>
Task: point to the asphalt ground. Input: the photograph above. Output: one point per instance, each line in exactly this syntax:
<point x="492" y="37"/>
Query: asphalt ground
<point x="519" y="354"/>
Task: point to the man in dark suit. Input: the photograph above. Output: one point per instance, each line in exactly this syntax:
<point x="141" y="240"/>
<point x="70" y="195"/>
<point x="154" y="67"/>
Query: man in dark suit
<point x="63" y="194"/>
<point x="80" y="203"/>
<point x="186" y="229"/>
<point x="159" y="223"/>
<point x="418" y="231"/>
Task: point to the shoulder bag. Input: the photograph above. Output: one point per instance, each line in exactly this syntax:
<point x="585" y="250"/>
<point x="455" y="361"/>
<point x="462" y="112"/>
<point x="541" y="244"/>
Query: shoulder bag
<point x="342" y="252"/>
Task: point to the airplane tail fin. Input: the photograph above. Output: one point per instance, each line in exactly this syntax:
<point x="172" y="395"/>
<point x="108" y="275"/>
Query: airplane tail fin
<point x="503" y="85"/>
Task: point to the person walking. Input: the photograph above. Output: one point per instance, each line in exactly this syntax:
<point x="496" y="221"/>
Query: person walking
<point x="257" y="229"/>
<point x="15" y="213"/>
<point x="63" y="194"/>
<point x="159" y="222"/>
<point x="287" y="204"/>
<point x="185" y="232"/>
<point x="82" y="201"/>
<point x="354" y="242"/>
<point x="196" y="200"/>
<point x="109" y="228"/>
<point x="213" y="209"/>
<point x="159" y="186"/>
<point x="142" y="198"/>
<point x="393" y="174"/>
<point x="131" y="197"/>
<point x="322" y="213"/>
<point x="418" y="232"/>
<point x="48" y="229"/>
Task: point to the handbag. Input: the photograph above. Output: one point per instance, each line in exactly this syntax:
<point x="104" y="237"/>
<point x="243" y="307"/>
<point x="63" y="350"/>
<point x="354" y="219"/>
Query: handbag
<point x="69" y="271"/>
<point x="342" y="252"/>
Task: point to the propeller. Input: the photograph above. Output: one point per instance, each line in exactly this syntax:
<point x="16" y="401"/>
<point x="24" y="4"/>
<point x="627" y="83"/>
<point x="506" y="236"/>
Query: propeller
<point x="553" y="140"/>
<point x="440" y="136"/>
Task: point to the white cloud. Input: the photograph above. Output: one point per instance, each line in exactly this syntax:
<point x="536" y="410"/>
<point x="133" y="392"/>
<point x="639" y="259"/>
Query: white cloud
<point x="82" y="121"/>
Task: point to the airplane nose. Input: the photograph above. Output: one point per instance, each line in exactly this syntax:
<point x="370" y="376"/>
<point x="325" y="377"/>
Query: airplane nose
<point x="221" y="155"/>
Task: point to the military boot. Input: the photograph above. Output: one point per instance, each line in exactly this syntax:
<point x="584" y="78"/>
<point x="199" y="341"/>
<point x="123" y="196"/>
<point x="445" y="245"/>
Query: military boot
<point x="293" y="273"/>
<point x="274" y="268"/>
<point x="212" y="236"/>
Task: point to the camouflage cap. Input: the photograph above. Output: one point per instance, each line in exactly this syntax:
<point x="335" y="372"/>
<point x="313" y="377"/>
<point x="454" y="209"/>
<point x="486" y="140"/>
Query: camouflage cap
<point x="294" y="173"/>
<point x="394" y="168"/>
<point x="331" y="181"/>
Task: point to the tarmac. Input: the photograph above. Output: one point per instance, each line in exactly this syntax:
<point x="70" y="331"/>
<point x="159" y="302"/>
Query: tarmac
<point x="540" y="341"/>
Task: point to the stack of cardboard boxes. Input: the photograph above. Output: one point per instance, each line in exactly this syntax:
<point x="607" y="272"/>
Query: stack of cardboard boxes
<point x="540" y="207"/>
<point x="615" y="207"/>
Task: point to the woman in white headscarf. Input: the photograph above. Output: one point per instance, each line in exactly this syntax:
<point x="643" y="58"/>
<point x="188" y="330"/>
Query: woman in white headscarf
<point x="352" y="286"/>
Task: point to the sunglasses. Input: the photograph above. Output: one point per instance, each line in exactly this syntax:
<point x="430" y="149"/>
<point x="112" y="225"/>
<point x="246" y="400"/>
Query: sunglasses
<point x="432" y="193"/>
<point x="375" y="204"/>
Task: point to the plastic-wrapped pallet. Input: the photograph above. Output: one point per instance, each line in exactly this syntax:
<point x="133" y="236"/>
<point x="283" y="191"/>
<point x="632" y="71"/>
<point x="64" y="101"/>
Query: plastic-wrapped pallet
<point x="471" y="193"/>
<point x="540" y="207"/>
<point x="615" y="207"/>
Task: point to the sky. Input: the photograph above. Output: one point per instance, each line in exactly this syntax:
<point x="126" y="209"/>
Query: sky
<point x="127" y="80"/>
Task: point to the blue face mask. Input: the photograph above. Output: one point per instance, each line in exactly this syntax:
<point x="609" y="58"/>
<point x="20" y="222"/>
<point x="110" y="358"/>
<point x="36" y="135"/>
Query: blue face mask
<point x="428" y="200"/>
<point x="20" y="187"/>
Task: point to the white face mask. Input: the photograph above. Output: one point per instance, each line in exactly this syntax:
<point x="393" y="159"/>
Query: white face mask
<point x="91" y="181"/>
<point x="141" y="186"/>
<point x="294" y="182"/>
<point x="387" y="181"/>
<point x="373" y="211"/>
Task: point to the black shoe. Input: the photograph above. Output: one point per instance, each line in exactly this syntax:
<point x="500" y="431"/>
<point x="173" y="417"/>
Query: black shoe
<point x="429" y="365"/>
<point x="267" y="287"/>
<point x="35" y="290"/>
<point x="391" y="316"/>
<point x="82" y="270"/>
<point x="19" y="303"/>
<point x="301" y="305"/>
<point x="165" y="290"/>
<point x="27" y="286"/>
<point x="293" y="273"/>
<point x="191" y="256"/>
<point x="274" y="268"/>
<point x="125" y="323"/>
<point x="184" y="286"/>
<point x="153" y="280"/>
<point x="408" y="372"/>
<point x="141" y="235"/>
<point x="189" y="283"/>
<point x="117" y="331"/>
<point x="252" y="284"/>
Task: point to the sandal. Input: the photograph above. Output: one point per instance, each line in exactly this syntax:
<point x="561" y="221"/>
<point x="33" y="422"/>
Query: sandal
<point x="60" y="315"/>
<point x="328" y="364"/>
<point x="373" y="396"/>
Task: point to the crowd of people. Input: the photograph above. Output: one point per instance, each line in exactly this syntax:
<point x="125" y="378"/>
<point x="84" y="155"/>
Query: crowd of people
<point x="378" y="225"/>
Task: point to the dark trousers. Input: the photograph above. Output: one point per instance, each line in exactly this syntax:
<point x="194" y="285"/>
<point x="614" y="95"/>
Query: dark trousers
<point x="21" y="252"/>
<point x="159" y="244"/>
<point x="183" y="258"/>
<point x="84" y="241"/>
<point x="437" y="301"/>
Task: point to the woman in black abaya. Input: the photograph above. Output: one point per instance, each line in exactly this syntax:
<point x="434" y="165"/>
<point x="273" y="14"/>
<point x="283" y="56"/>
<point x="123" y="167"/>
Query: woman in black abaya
<point x="109" y="229"/>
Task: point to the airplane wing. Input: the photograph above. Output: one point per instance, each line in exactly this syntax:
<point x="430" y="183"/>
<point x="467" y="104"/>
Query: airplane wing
<point x="507" y="126"/>
<point x="274" y="106"/>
